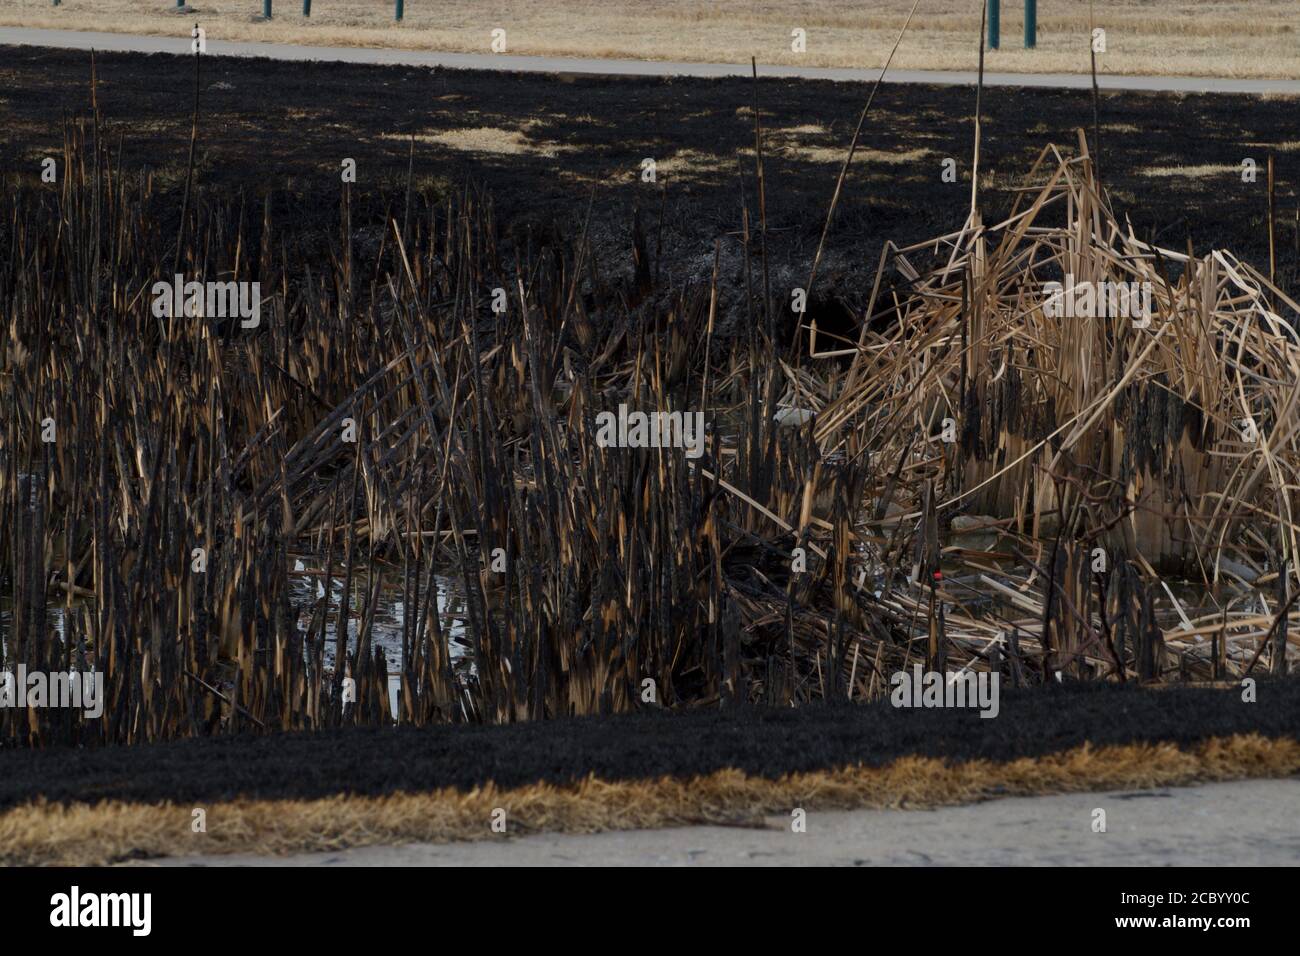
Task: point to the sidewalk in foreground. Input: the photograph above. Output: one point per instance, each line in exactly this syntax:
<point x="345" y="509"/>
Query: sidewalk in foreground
<point x="1244" y="823"/>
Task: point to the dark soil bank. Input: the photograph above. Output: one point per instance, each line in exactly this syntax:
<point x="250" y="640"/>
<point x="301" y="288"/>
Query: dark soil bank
<point x="759" y="741"/>
<point x="554" y="142"/>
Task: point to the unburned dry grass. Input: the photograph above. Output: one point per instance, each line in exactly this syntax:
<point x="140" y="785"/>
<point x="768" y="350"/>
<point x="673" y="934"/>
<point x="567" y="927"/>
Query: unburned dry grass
<point x="81" y="834"/>
<point x="1245" y="38"/>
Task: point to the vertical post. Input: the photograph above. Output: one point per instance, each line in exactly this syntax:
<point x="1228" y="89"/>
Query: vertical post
<point x="266" y="9"/>
<point x="180" y="4"/>
<point x="995" y="21"/>
<point x="1031" y="24"/>
<point x="1279" y="638"/>
<point x="1272" y="252"/>
<point x="401" y="6"/>
<point x="306" y="8"/>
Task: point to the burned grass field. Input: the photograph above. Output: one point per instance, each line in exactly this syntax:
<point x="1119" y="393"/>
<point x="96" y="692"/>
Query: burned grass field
<point x="541" y="146"/>
<point x="391" y="492"/>
<point x="361" y="786"/>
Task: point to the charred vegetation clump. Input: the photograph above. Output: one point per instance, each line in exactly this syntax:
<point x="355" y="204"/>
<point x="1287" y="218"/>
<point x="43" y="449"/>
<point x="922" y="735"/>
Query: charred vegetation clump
<point x="415" y="413"/>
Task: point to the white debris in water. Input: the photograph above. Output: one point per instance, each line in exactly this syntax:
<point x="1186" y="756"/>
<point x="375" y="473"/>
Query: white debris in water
<point x="793" y="417"/>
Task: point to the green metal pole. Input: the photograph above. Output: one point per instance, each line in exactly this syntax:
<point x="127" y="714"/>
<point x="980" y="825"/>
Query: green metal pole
<point x="1031" y="24"/>
<point x="401" y="7"/>
<point x="995" y="22"/>
<point x="266" y="9"/>
<point x="306" y="8"/>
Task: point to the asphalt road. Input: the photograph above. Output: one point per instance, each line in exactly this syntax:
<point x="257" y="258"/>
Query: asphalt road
<point x="1243" y="823"/>
<point x="127" y="43"/>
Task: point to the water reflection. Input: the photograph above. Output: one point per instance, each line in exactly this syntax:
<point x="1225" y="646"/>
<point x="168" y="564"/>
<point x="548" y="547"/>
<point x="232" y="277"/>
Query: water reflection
<point x="305" y="589"/>
<point x="389" y="617"/>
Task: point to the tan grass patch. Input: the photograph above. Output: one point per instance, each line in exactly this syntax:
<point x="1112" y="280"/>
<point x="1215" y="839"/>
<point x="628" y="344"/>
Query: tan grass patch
<point x="488" y="140"/>
<point x="1230" y="38"/>
<point x="836" y="154"/>
<point x="807" y="129"/>
<point x="1289" y="146"/>
<point x="1191" y="172"/>
<point x="686" y="163"/>
<point x="41" y="833"/>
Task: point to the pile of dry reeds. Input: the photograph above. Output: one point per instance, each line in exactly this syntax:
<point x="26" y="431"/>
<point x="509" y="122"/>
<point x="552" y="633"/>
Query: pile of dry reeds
<point x="1105" y="446"/>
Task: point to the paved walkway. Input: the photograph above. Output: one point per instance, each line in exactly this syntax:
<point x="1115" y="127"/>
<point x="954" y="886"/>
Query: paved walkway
<point x="1246" y="823"/>
<point x="127" y="43"/>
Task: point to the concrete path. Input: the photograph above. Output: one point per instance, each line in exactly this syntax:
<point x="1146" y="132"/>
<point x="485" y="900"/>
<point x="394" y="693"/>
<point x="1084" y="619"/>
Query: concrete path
<point x="127" y="43"/>
<point x="1246" y="823"/>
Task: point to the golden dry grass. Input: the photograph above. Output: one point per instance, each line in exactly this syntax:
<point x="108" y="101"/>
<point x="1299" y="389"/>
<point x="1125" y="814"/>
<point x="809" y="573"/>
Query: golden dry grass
<point x="1246" y="38"/>
<point x="1190" y="172"/>
<point x="39" y="834"/>
<point x="794" y="142"/>
<point x="488" y="140"/>
<point x="829" y="154"/>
